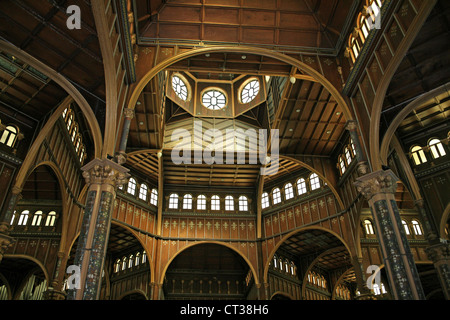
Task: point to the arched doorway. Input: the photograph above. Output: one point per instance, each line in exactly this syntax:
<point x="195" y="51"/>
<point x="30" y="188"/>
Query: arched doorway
<point x="307" y="263"/>
<point x="126" y="268"/>
<point x="208" y="271"/>
<point x="22" y="278"/>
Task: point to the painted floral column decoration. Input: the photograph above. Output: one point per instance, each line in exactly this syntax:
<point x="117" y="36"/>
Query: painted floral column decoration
<point x="103" y="177"/>
<point x="379" y="189"/>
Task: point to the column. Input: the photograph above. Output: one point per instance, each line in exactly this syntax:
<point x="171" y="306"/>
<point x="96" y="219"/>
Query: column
<point x="364" y="291"/>
<point x="129" y="114"/>
<point x="352" y="127"/>
<point x="54" y="291"/>
<point x="103" y="176"/>
<point x="440" y="255"/>
<point x="5" y="228"/>
<point x="379" y="189"/>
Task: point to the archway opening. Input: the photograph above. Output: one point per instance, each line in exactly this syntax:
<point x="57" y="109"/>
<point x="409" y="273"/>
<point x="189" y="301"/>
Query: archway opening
<point x="208" y="271"/>
<point x="126" y="265"/>
<point x="26" y="279"/>
<point x="308" y="264"/>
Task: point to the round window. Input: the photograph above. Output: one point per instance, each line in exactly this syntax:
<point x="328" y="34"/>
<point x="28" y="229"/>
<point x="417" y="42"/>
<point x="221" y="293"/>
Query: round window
<point x="214" y="99"/>
<point x="180" y="87"/>
<point x="250" y="91"/>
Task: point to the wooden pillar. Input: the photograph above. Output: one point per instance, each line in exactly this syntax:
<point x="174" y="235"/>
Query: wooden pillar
<point x="379" y="189"/>
<point x="103" y="176"/>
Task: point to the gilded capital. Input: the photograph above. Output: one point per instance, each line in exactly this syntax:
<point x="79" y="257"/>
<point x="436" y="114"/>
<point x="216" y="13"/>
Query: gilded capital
<point x="351" y="125"/>
<point x="377" y="182"/>
<point x="128" y="113"/>
<point x="105" y="171"/>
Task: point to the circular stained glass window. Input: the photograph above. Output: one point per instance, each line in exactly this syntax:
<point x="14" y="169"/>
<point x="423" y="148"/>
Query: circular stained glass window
<point x="250" y="91"/>
<point x="180" y="88"/>
<point x="214" y="99"/>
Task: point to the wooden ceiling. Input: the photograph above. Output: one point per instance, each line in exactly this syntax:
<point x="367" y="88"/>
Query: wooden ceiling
<point x="41" y="184"/>
<point x="39" y="28"/>
<point x="426" y="66"/>
<point x="293" y="24"/>
<point x="312" y="243"/>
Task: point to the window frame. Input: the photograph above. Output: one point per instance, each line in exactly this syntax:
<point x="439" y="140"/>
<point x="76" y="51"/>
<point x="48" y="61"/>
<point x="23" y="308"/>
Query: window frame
<point x="229" y="203"/>
<point x="276" y="196"/>
<point x="201" y="202"/>
<point x="288" y="191"/>
<point x="243" y="203"/>
<point x="187" y="201"/>
<point x="173" y="201"/>
<point x="215" y="203"/>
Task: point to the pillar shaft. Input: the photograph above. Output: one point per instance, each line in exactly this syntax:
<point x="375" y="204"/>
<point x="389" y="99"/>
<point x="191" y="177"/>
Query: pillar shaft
<point x="129" y="114"/>
<point x="102" y="176"/>
<point x="379" y="189"/>
<point x="440" y="255"/>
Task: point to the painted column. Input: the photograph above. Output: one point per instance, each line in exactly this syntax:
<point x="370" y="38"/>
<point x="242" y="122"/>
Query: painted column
<point x="129" y="114"/>
<point x="103" y="177"/>
<point x="352" y="127"/>
<point x="440" y="255"/>
<point x="364" y="291"/>
<point x="438" y="251"/>
<point x="379" y="189"/>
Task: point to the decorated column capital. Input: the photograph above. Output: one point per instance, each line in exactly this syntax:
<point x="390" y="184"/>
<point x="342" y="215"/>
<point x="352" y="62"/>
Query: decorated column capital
<point x="439" y="252"/>
<point x="351" y="125"/>
<point x="128" y="113"/>
<point x="105" y="171"/>
<point x="377" y="182"/>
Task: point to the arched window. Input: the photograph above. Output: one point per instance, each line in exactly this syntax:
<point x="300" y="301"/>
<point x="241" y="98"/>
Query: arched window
<point x="229" y="203"/>
<point x="348" y="156"/>
<point x="74" y="133"/>
<point x="275" y="261"/>
<point x="265" y="200"/>
<point x="293" y="269"/>
<point x="314" y="181"/>
<point x="368" y="226"/>
<point x="51" y="217"/>
<point x="23" y="218"/>
<point x="436" y="148"/>
<point x="187" y="202"/>
<point x="137" y="259"/>
<point x="144" y="257"/>
<point x="352" y="146"/>
<point x="173" y="201"/>
<point x="288" y="191"/>
<point x="124" y="263"/>
<point x="117" y="266"/>
<point x="37" y="218"/>
<point x="276" y="196"/>
<point x="69" y="120"/>
<point x="201" y="202"/>
<point x="154" y="197"/>
<point x="418" y="155"/>
<point x="130" y="261"/>
<point x="342" y="166"/>
<point x="416" y="227"/>
<point x="215" y="202"/>
<point x="131" y="186"/>
<point x="243" y="203"/>
<point x="301" y="186"/>
<point x="9" y="136"/>
<point x="143" y="192"/>
<point x="405" y="226"/>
